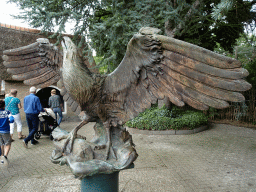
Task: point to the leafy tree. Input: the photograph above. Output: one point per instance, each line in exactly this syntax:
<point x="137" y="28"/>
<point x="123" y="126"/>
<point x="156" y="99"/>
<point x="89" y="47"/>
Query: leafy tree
<point x="55" y="15"/>
<point x="108" y="25"/>
<point x="113" y="26"/>
<point x="246" y="53"/>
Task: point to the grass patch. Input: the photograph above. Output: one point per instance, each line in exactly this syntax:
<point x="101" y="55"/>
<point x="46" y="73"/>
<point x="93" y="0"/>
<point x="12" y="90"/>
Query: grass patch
<point x="163" y="119"/>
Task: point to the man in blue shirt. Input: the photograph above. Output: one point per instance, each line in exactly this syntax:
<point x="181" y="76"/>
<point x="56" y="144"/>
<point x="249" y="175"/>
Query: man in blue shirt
<point x="32" y="108"/>
<point x="5" y="137"/>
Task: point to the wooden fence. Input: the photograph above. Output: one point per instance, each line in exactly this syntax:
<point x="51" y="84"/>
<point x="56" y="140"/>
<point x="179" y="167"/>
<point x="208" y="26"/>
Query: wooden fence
<point x="245" y="111"/>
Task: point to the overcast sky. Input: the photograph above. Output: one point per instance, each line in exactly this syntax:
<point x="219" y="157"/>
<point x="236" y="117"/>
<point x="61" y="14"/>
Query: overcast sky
<point x="10" y="8"/>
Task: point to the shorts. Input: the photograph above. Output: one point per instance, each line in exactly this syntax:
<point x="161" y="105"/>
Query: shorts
<point x="5" y="139"/>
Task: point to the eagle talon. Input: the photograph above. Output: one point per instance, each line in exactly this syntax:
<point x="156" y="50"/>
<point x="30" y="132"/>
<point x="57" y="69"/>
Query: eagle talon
<point x="110" y="150"/>
<point x="73" y="135"/>
<point x="98" y="147"/>
<point x="69" y="138"/>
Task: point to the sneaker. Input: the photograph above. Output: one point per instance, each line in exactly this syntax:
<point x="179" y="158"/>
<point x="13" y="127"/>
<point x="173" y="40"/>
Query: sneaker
<point x="34" y="142"/>
<point x="25" y="144"/>
<point x="5" y="160"/>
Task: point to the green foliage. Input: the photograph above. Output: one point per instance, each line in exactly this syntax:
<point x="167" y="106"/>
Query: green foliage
<point x="102" y="68"/>
<point x="162" y="119"/>
<point x="241" y="109"/>
<point x="54" y="15"/>
<point x="212" y="112"/>
<point x="251" y="67"/>
<point x="207" y="32"/>
<point x="114" y="24"/>
<point x="222" y="8"/>
<point x="246" y="53"/>
<point x="109" y="25"/>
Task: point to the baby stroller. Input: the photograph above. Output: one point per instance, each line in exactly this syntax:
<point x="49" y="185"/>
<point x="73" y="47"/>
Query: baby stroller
<point x="47" y="123"/>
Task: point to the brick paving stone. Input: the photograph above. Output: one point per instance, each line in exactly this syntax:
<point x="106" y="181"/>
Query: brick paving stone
<point x="219" y="159"/>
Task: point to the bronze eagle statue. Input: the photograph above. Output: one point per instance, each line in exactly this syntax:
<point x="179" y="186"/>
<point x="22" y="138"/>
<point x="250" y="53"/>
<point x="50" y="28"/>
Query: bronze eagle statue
<point x="154" y="67"/>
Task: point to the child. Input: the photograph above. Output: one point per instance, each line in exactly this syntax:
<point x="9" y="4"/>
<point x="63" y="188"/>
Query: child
<point x="5" y="137"/>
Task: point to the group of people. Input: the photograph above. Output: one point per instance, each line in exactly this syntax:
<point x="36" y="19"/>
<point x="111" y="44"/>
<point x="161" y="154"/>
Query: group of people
<point x="10" y="114"/>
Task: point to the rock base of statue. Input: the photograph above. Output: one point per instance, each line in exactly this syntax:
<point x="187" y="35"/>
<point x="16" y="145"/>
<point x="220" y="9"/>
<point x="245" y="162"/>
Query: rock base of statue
<point x="101" y="183"/>
<point x="91" y="158"/>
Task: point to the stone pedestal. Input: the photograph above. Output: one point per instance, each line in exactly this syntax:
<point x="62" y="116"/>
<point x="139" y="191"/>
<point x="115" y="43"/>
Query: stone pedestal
<point x="101" y="183"/>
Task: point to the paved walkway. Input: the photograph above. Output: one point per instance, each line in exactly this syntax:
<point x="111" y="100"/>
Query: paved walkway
<point x="220" y="159"/>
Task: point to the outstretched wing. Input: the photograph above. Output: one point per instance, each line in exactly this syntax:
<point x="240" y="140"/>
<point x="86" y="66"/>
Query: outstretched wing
<point x="35" y="64"/>
<point x="38" y="64"/>
<point x="156" y="66"/>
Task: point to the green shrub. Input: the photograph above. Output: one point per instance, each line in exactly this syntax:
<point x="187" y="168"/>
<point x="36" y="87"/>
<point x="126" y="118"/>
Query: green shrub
<point x="162" y="119"/>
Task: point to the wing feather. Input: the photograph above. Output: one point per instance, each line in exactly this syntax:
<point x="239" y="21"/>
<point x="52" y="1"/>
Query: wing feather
<point x="198" y="53"/>
<point x="74" y="106"/>
<point x="21" y="70"/>
<point x="66" y="96"/>
<point x="41" y="78"/>
<point x="49" y="82"/>
<point x="156" y="66"/>
<point x="36" y="64"/>
<point x="228" y="84"/>
<point x="216" y="103"/>
<point x="63" y="91"/>
<point x="130" y="109"/>
<point x="21" y="57"/>
<point x="204" y="68"/>
<point x="195" y="103"/>
<point x="166" y="90"/>
<point x="135" y="102"/>
<point x="152" y="95"/>
<point x="34" y="47"/>
<point x="70" y="101"/>
<point x="156" y="89"/>
<point x="78" y="110"/>
<point x="40" y="64"/>
<point x="31" y="74"/>
<point x="23" y="63"/>
<point x="145" y="99"/>
<point x="203" y="88"/>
